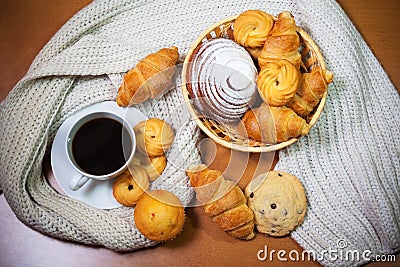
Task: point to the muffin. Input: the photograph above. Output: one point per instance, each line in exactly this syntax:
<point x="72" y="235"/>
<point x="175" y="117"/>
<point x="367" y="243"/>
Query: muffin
<point x="159" y="215"/>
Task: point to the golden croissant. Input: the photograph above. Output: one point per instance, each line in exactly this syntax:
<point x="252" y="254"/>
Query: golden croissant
<point x="273" y="124"/>
<point x="278" y="82"/>
<point x="149" y="78"/>
<point x="313" y="86"/>
<point x="282" y="42"/>
<point x="224" y="201"/>
<point x="252" y="27"/>
<point x="288" y="124"/>
<point x="258" y="124"/>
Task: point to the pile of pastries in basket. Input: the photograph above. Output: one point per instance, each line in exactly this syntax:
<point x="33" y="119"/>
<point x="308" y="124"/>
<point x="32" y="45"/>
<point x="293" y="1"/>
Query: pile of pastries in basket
<point x="258" y="77"/>
<point x="263" y="60"/>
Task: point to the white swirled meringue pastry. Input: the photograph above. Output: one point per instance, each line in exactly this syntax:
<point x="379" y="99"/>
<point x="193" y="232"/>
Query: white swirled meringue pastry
<point x="222" y="78"/>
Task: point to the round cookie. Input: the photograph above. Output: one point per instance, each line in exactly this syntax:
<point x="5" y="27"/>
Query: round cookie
<point x="153" y="137"/>
<point x="130" y="185"/>
<point x="252" y="27"/>
<point x="159" y="215"/>
<point x="154" y="166"/>
<point x="278" y="201"/>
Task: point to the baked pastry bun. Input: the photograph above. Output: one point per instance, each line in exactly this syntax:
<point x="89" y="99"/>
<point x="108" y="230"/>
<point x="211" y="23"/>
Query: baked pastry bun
<point x="252" y="27"/>
<point x="159" y="215"/>
<point x="222" y="78"/>
<point x="153" y="137"/>
<point x="251" y="125"/>
<point x="288" y="124"/>
<point x="313" y="86"/>
<point x="130" y="185"/>
<point x="258" y="124"/>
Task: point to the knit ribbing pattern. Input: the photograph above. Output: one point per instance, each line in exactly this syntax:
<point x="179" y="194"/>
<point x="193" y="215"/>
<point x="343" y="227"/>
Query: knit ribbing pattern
<point x="349" y="163"/>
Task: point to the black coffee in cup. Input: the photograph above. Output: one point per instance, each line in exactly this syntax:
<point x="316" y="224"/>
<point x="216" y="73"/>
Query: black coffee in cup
<point x="101" y="146"/>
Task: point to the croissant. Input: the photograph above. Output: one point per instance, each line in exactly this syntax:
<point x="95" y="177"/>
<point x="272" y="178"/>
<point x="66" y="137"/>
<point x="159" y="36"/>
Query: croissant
<point x="313" y="86"/>
<point x="278" y="82"/>
<point x="149" y="78"/>
<point x="288" y="124"/>
<point x="273" y="124"/>
<point x="224" y="201"/>
<point x="282" y="42"/>
<point x="258" y="124"/>
<point x="250" y="125"/>
<point x="252" y="27"/>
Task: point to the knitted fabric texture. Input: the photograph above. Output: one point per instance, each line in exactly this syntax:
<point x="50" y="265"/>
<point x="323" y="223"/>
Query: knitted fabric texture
<point x="349" y="163"/>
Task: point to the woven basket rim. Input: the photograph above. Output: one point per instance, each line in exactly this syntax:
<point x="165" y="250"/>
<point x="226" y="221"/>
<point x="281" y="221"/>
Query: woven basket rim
<point x="225" y="143"/>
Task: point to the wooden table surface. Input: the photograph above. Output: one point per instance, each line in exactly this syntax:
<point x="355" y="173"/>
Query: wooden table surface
<point x="26" y="25"/>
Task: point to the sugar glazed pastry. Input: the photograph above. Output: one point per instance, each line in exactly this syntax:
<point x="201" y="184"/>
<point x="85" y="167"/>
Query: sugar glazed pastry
<point x="252" y="27"/>
<point x="273" y="124"/>
<point x="149" y="78"/>
<point x="278" y="201"/>
<point x="222" y="79"/>
<point x="130" y="186"/>
<point x="283" y="42"/>
<point x="313" y="86"/>
<point x="278" y="82"/>
<point x="159" y="215"/>
<point x="153" y="137"/>
<point x="223" y="201"/>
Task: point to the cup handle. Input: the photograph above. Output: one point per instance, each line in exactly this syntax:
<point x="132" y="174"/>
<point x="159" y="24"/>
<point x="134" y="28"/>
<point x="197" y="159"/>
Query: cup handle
<point x="78" y="181"/>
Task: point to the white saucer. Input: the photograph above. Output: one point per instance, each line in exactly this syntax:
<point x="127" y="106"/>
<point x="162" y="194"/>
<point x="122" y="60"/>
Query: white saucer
<point x="95" y="193"/>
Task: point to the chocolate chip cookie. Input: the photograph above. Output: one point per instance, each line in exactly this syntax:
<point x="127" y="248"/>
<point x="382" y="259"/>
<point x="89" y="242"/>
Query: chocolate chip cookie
<point x="278" y="201"/>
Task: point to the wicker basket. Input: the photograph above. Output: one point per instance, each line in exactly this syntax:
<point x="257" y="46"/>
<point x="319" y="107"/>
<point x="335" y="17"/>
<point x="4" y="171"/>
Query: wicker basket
<point x="225" y="136"/>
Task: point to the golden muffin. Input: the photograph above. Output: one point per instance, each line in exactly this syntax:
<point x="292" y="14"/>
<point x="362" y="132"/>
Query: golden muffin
<point x="159" y="215"/>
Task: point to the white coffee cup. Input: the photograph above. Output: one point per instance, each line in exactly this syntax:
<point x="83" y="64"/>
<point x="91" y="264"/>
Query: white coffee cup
<point x="99" y="145"/>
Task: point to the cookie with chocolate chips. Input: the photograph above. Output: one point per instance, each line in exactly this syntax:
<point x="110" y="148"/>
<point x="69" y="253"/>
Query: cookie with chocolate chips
<point x="278" y="201"/>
